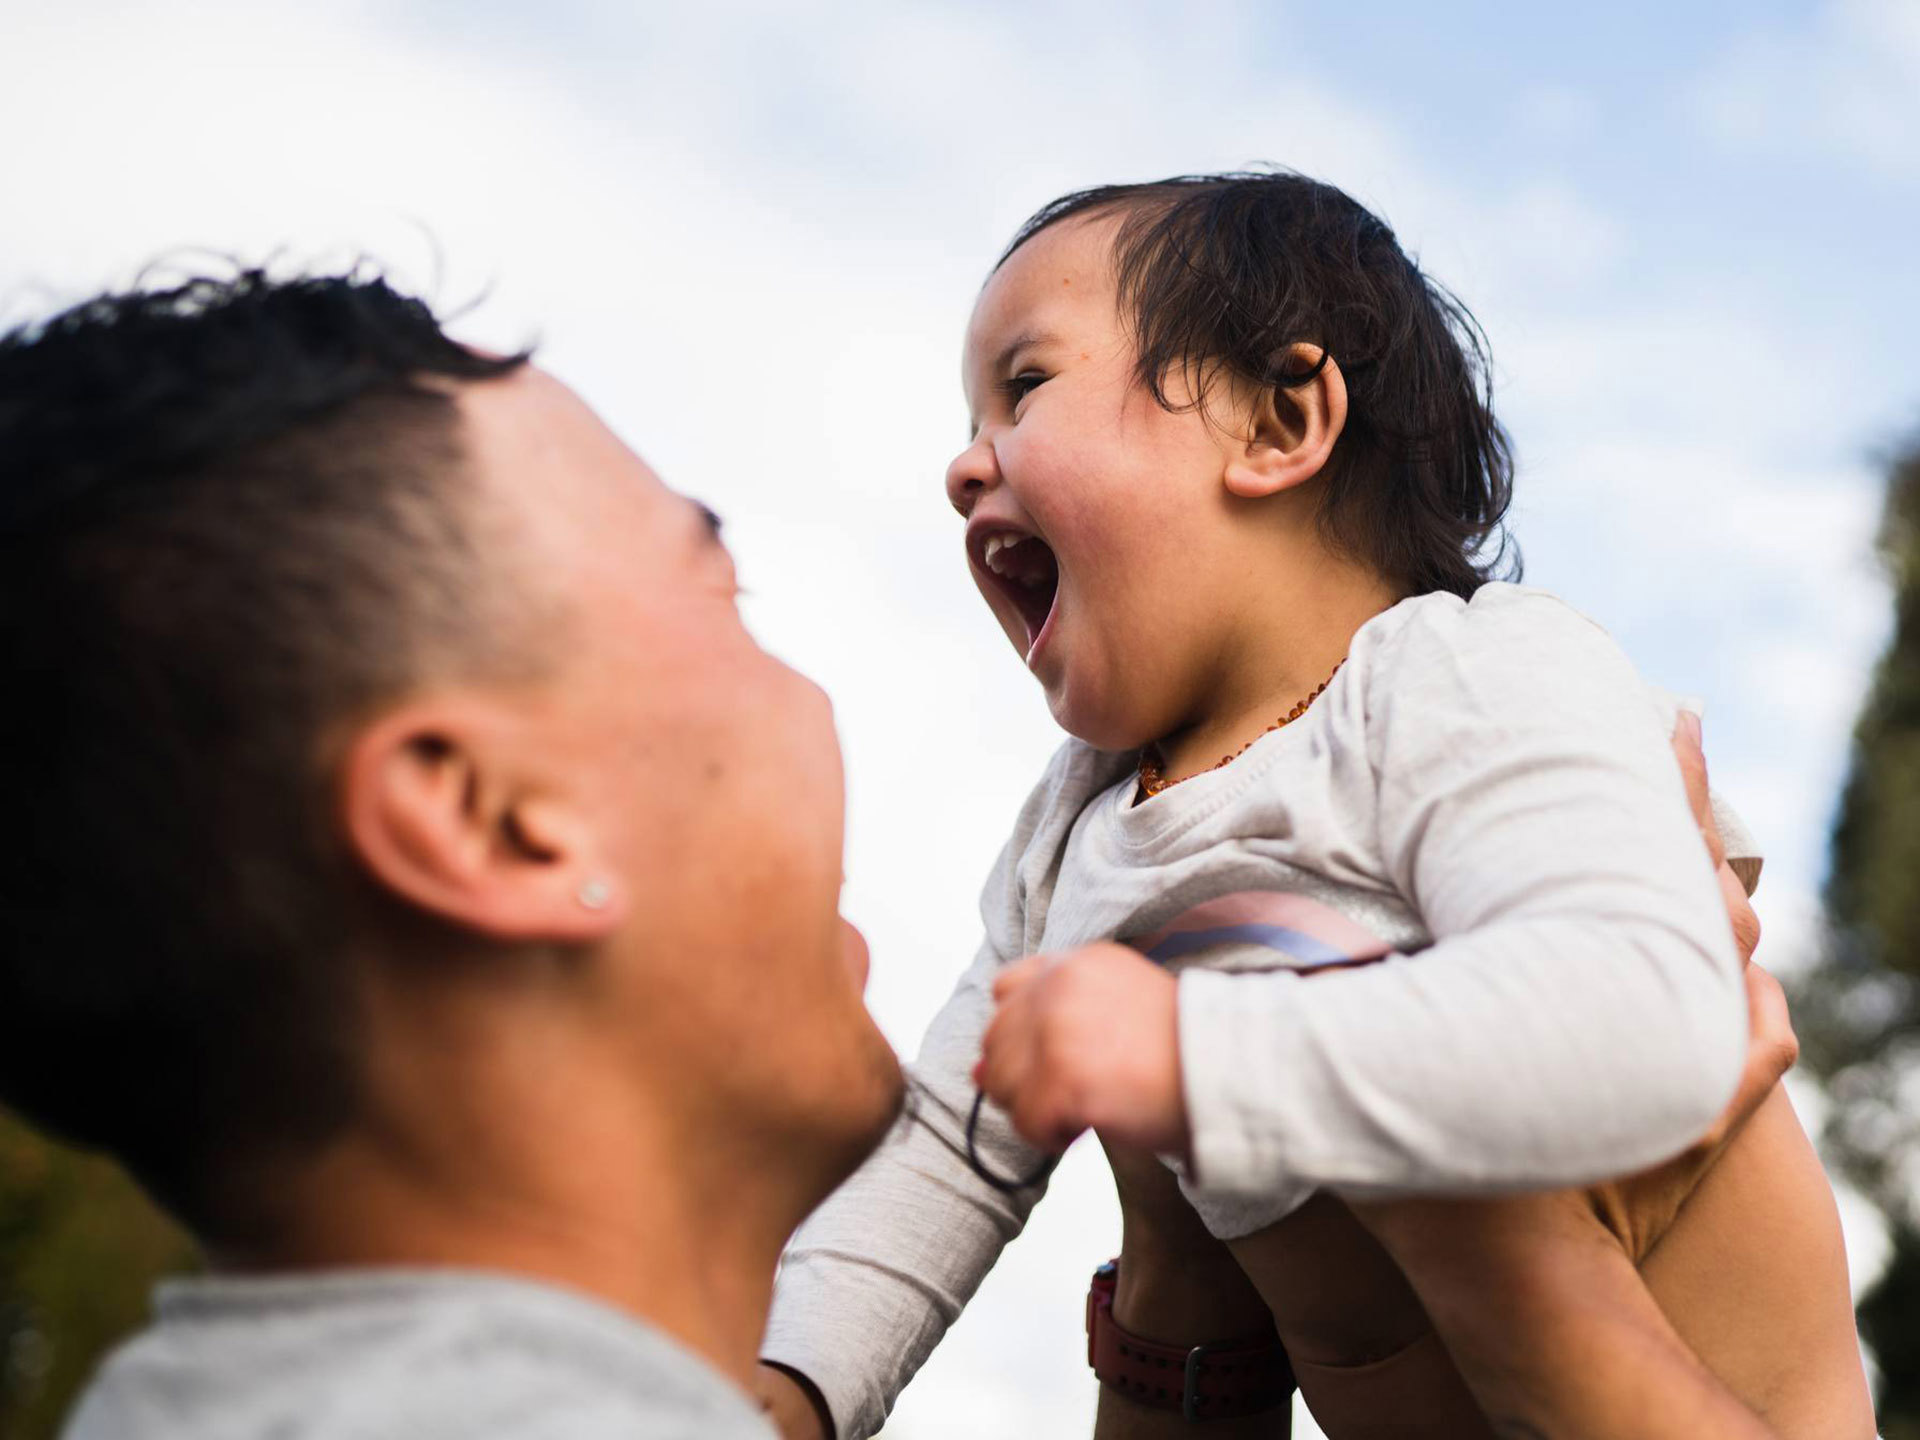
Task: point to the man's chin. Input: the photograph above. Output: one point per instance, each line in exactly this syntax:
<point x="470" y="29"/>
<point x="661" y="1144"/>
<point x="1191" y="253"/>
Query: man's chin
<point x="853" y="950"/>
<point x="883" y="1094"/>
<point x="889" y="1096"/>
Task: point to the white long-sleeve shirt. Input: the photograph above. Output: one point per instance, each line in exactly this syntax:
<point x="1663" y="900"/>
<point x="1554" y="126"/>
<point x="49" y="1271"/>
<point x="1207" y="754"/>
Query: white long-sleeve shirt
<point x="1485" y="803"/>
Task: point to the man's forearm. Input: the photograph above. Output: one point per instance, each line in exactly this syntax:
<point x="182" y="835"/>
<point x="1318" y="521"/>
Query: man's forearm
<point x="1553" y="1328"/>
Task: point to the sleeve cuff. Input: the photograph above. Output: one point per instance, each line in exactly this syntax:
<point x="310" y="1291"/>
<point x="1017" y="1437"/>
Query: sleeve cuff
<point x="794" y="1343"/>
<point x="798" y="1362"/>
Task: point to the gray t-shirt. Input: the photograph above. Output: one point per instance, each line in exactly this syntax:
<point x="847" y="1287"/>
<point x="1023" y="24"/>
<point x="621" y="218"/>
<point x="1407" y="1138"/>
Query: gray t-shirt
<point x="1483" y="812"/>
<point x="403" y="1355"/>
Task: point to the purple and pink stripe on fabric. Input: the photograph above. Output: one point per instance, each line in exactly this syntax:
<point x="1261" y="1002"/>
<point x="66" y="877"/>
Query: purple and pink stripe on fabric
<point x="1303" y="933"/>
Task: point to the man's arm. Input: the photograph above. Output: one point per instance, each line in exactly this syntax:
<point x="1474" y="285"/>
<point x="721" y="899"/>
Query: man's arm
<point x="1550" y="1324"/>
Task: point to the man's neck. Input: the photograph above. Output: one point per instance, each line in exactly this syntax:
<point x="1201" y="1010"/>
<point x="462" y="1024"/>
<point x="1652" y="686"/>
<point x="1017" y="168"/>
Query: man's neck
<point x="611" y="1206"/>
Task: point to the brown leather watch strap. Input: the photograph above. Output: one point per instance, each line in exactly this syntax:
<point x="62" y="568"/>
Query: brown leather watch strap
<point x="1202" y="1382"/>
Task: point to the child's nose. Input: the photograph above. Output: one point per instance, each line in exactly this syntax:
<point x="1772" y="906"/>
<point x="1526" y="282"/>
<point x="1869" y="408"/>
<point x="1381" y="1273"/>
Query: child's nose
<point x="974" y="471"/>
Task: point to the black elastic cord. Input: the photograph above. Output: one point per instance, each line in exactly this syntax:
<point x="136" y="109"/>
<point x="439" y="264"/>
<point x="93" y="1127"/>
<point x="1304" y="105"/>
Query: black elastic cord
<point x="1000" y="1182"/>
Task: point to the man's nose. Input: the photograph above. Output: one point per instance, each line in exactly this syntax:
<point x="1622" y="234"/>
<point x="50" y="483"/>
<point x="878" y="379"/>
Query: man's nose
<point x="974" y="471"/>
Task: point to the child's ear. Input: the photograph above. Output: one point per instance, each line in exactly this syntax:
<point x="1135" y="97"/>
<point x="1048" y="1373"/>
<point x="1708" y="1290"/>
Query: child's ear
<point x="1291" y="427"/>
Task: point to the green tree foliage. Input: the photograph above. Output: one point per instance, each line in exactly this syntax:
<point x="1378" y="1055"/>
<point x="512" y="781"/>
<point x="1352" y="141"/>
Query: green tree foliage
<point x="80" y="1248"/>
<point x="1858" y="1011"/>
<point x="1887" y="1317"/>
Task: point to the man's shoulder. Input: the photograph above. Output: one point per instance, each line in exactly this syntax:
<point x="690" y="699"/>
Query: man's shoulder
<point x="418" y="1356"/>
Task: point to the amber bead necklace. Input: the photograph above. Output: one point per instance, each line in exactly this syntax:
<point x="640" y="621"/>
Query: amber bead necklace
<point x="1153" y="781"/>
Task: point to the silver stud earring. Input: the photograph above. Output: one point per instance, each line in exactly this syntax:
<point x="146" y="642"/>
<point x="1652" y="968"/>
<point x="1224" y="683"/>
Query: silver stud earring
<point x="596" y="894"/>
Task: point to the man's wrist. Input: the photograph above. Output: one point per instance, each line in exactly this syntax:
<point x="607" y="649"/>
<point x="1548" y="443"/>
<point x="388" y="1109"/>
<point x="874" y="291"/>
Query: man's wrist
<point x="808" y="1392"/>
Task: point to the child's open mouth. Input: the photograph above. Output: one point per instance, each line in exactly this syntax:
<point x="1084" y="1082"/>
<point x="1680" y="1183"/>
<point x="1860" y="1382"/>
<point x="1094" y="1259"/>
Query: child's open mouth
<point x="1022" y="567"/>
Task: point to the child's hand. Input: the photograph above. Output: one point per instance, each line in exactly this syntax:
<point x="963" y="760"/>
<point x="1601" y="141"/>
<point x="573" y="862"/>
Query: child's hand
<point x="1087" y="1039"/>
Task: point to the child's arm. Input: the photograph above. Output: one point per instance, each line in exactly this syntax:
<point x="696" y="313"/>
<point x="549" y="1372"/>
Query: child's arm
<point x="1581" y="1013"/>
<point x="874" y="1278"/>
<point x="872" y="1281"/>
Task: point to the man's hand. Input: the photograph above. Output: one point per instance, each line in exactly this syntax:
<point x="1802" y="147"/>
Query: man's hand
<point x="1693" y="773"/>
<point x="1087" y="1039"/>
<point x="1639" y="1209"/>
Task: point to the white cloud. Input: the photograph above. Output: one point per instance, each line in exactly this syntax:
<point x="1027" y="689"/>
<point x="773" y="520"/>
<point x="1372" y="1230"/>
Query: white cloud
<point x="1844" y="84"/>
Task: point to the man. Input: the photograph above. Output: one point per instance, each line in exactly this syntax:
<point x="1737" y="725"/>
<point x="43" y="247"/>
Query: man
<point x="428" y="890"/>
<point x="428" y="880"/>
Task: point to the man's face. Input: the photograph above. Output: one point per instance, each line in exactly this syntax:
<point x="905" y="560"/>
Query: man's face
<point x="711" y="775"/>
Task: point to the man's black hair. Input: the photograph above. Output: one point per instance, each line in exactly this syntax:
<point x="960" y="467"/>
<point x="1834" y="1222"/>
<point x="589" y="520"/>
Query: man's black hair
<point x="1222" y="276"/>
<point x="231" y="517"/>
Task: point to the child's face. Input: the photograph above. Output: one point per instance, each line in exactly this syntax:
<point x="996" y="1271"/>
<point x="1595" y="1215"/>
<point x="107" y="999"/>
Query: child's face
<point x="1123" y="537"/>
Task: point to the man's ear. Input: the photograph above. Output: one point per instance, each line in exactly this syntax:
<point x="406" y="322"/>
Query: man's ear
<point x="441" y="811"/>
<point x="1291" y="429"/>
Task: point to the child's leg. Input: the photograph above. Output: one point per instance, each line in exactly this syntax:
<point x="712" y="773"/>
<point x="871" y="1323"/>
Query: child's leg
<point x="1180" y="1286"/>
<point x="1119" y="1418"/>
<point x="1363" y="1350"/>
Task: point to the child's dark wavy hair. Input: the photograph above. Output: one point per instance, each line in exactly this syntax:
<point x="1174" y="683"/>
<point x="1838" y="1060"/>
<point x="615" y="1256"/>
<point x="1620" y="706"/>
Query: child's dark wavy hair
<point x="1221" y="276"/>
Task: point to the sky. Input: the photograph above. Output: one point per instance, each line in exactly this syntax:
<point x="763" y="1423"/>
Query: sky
<point x="750" y="234"/>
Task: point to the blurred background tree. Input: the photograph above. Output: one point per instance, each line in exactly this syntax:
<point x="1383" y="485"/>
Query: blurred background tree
<point x="80" y="1248"/>
<point x="1858" y="1009"/>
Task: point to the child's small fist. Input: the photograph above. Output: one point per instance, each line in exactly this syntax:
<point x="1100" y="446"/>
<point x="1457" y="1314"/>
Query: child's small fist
<point x="1087" y="1039"/>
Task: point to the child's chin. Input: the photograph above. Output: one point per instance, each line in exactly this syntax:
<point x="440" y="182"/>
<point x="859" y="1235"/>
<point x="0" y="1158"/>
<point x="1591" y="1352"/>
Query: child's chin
<point x="1094" y="725"/>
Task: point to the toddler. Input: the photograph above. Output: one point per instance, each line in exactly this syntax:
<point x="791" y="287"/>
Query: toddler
<point x="1412" y="898"/>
